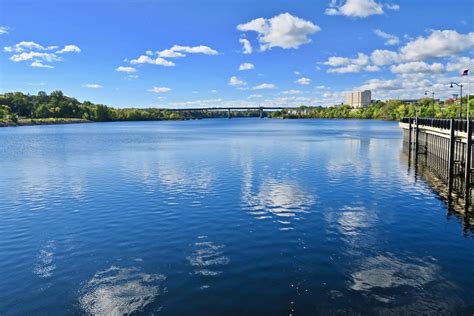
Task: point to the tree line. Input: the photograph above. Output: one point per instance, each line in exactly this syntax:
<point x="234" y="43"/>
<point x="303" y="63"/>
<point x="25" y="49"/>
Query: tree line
<point x="16" y="105"/>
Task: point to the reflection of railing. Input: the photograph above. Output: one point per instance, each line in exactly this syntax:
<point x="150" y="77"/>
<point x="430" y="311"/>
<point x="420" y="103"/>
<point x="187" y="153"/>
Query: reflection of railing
<point x="445" y="147"/>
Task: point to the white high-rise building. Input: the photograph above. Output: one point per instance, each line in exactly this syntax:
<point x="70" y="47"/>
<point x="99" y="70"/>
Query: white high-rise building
<point x="358" y="99"/>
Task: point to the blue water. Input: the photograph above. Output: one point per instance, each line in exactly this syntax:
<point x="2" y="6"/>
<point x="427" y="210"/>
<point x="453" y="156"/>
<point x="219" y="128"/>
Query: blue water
<point x="216" y="217"/>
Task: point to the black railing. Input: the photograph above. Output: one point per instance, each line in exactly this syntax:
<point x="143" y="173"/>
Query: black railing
<point x="459" y="125"/>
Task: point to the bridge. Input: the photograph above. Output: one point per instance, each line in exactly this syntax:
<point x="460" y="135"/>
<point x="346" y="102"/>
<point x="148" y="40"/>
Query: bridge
<point x="261" y="109"/>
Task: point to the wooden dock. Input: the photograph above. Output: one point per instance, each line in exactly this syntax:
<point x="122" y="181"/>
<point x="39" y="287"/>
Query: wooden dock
<point x="445" y="147"/>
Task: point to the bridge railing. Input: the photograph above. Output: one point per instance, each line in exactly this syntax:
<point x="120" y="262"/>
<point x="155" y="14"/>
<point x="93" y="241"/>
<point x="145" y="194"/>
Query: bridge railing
<point x="459" y="125"/>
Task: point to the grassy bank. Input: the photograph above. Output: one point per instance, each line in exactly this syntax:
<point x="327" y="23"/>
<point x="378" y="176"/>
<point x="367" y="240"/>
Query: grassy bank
<point x="42" y="121"/>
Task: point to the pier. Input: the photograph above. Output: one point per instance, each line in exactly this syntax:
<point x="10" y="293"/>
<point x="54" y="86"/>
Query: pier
<point x="444" y="146"/>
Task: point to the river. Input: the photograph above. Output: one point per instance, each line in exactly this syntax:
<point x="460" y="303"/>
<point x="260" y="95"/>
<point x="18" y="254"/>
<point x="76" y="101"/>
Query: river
<point x="215" y="217"/>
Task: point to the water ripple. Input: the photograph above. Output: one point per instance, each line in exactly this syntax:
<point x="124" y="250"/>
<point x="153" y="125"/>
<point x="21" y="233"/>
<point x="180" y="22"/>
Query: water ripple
<point x="120" y="291"/>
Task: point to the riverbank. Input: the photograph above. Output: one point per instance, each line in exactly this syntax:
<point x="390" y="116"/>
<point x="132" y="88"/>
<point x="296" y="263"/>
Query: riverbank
<point x="43" y="121"/>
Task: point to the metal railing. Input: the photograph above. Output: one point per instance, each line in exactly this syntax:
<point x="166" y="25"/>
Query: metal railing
<point x="459" y="125"/>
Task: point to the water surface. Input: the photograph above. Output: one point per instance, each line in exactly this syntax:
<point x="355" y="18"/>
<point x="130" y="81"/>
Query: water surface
<point x="241" y="216"/>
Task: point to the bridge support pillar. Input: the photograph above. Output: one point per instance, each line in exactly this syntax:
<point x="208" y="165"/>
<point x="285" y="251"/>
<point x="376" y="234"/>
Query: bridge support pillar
<point x="261" y="113"/>
<point x="228" y="113"/>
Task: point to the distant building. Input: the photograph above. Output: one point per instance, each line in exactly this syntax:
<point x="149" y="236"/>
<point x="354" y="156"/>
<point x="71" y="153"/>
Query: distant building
<point x="359" y="99"/>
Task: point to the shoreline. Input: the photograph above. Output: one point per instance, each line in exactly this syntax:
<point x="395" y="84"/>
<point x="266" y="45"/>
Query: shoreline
<point x="61" y="121"/>
<point x="47" y="121"/>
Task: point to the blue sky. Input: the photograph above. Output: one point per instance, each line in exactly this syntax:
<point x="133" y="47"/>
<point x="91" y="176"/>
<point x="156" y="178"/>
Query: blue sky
<point x="188" y="53"/>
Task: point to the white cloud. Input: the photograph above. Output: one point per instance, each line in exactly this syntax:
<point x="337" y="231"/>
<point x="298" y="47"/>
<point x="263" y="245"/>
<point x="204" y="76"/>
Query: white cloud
<point x="168" y="53"/>
<point x="38" y="64"/>
<point x="359" y="8"/>
<point x="284" y="30"/>
<point x="38" y="54"/>
<point x="49" y="57"/>
<point x="264" y="86"/>
<point x="246" y="66"/>
<point x="382" y="57"/>
<point x="201" y="49"/>
<point x="234" y="81"/>
<point x="255" y="96"/>
<point x="144" y="59"/>
<point x="297" y="73"/>
<point x="347" y="65"/>
<point x="246" y="46"/>
<point x="214" y="91"/>
<point x="372" y="68"/>
<point x="69" y="49"/>
<point x="346" y="69"/>
<point x="460" y="63"/>
<point x="177" y="51"/>
<point x="125" y="69"/>
<point x="437" y="44"/>
<point x="303" y="81"/>
<point x="321" y="87"/>
<point x="25" y="46"/>
<point x="389" y="38"/>
<point x="335" y="61"/>
<point x="3" y="30"/>
<point x="92" y="86"/>
<point x="292" y="92"/>
<point x="160" y="89"/>
<point x="417" y="67"/>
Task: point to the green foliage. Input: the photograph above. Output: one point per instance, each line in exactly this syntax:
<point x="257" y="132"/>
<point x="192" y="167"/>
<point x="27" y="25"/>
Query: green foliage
<point x="16" y="105"/>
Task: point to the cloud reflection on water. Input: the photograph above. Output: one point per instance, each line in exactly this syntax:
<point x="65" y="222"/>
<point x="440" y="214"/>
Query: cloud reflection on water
<point x="120" y="291"/>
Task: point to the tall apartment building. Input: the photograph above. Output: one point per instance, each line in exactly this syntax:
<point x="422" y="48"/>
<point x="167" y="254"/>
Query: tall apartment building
<point x="358" y="99"/>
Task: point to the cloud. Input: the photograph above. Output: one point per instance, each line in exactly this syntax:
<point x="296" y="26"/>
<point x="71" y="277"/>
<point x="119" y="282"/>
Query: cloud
<point x="246" y="66"/>
<point x="284" y="31"/>
<point x="38" y="54"/>
<point x="292" y="92"/>
<point x="382" y="57"/>
<point x="236" y="82"/>
<point x="264" y="86"/>
<point x="48" y="57"/>
<point x="176" y="51"/>
<point x="160" y="89"/>
<point x="255" y="96"/>
<point x="144" y="59"/>
<point x="168" y="53"/>
<point x="303" y="81"/>
<point x="92" y="85"/>
<point x="246" y="46"/>
<point x="372" y="68"/>
<point x="417" y="67"/>
<point x="25" y="46"/>
<point x="389" y="38"/>
<point x="359" y="8"/>
<point x="125" y="69"/>
<point x="437" y="44"/>
<point x="460" y="63"/>
<point x="69" y="49"/>
<point x="347" y="65"/>
<point x="3" y="30"/>
<point x="335" y="61"/>
<point x="346" y="69"/>
<point x="201" y="49"/>
<point x="38" y="64"/>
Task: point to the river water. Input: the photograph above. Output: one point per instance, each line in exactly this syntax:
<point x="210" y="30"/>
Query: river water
<point x="216" y="217"/>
